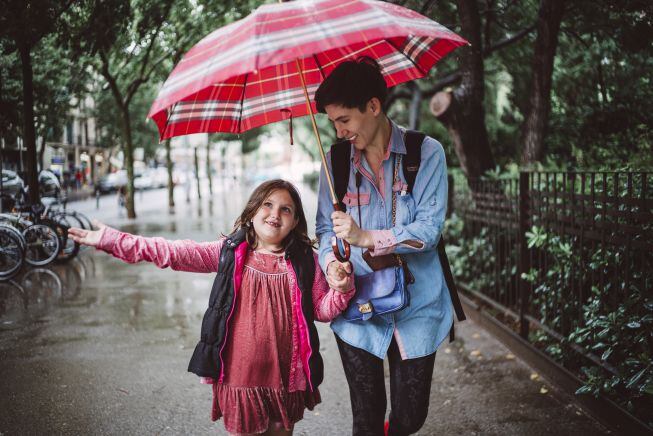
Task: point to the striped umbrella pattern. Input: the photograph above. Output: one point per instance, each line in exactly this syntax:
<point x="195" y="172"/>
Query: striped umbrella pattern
<point x="244" y="75"/>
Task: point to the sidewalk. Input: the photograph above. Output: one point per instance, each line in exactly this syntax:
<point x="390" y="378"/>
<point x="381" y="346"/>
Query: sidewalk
<point x="111" y="358"/>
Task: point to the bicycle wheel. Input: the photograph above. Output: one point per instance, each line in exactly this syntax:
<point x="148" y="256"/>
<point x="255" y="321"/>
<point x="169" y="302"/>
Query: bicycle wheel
<point x="12" y="252"/>
<point x="84" y="219"/>
<point x="69" y="248"/>
<point x="42" y="244"/>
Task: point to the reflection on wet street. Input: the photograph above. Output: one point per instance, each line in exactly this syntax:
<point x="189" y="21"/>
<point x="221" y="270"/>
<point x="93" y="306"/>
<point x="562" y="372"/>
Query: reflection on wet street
<point x="36" y="291"/>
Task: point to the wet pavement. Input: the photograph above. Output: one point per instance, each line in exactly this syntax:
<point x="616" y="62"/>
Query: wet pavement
<point x="97" y="346"/>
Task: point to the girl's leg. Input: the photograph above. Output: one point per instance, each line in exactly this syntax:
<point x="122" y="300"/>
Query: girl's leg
<point x="410" y="388"/>
<point x="364" y="373"/>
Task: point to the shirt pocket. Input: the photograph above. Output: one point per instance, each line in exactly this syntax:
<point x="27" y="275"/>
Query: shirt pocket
<point x="354" y="201"/>
<point x="405" y="209"/>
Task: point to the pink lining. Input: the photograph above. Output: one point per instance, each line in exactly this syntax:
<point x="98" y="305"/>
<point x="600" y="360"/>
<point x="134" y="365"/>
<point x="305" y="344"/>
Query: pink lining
<point x="240" y="253"/>
<point x="353" y="199"/>
<point x="304" y="343"/>
<point x="400" y="345"/>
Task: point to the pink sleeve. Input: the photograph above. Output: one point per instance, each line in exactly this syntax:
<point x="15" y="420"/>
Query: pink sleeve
<point x="182" y="255"/>
<point x="328" y="303"/>
<point x="384" y="242"/>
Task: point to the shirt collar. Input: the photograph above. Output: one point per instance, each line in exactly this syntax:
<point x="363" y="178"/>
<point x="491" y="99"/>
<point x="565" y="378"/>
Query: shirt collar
<point x="397" y="144"/>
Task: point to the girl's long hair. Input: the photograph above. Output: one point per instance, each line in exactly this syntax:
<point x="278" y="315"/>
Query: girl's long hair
<point x="299" y="234"/>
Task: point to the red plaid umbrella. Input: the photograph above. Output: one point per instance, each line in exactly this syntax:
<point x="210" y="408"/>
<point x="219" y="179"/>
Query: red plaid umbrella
<point x="244" y="75"/>
<point x="267" y="66"/>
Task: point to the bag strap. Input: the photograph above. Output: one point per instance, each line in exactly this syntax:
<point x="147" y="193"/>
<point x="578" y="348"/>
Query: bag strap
<point x="413" y="140"/>
<point x="395" y="178"/>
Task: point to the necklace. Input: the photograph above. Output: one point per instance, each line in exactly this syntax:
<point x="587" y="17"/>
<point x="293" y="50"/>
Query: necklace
<point x="278" y="251"/>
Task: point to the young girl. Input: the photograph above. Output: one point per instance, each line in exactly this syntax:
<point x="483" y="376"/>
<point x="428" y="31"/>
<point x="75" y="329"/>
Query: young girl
<point x="259" y="347"/>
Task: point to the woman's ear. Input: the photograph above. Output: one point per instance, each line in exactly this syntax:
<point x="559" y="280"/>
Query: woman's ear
<point x="375" y="106"/>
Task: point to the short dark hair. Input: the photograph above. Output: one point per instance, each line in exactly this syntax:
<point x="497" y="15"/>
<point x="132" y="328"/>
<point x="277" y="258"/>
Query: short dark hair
<point x="352" y="84"/>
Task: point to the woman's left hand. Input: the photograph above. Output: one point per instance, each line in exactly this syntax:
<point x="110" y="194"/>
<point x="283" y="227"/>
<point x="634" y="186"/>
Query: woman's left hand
<point x="346" y="228"/>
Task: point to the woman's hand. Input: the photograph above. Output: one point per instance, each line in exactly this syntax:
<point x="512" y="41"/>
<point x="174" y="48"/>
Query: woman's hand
<point x="88" y="237"/>
<point x="346" y="228"/>
<point x="339" y="276"/>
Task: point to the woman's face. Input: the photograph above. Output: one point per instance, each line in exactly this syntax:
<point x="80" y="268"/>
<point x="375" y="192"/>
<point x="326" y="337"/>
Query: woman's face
<point x="275" y="219"/>
<point x="356" y="126"/>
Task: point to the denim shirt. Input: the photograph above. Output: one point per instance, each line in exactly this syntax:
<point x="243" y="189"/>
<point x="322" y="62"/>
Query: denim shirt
<point x="422" y="326"/>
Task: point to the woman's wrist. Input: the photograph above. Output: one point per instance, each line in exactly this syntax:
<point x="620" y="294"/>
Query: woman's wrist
<point x="367" y="240"/>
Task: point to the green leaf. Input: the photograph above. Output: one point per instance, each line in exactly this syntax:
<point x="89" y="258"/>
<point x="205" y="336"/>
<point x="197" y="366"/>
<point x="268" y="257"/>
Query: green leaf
<point x="606" y="354"/>
<point x="647" y="388"/>
<point x="634" y="379"/>
<point x="584" y="390"/>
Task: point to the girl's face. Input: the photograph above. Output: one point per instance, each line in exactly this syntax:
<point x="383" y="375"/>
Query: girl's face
<point x="275" y="219"/>
<point x="358" y="127"/>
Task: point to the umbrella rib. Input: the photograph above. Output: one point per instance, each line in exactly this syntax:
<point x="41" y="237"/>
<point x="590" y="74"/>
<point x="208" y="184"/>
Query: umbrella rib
<point x="165" y="126"/>
<point x="319" y="67"/>
<point x="425" y="73"/>
<point x="242" y="99"/>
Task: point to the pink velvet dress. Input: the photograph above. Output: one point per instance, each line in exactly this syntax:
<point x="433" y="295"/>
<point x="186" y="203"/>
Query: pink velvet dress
<point x="258" y="353"/>
<point x="264" y="382"/>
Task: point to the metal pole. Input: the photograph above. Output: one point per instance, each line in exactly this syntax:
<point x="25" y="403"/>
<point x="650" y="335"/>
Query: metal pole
<point x="2" y="153"/>
<point x="524" y="264"/>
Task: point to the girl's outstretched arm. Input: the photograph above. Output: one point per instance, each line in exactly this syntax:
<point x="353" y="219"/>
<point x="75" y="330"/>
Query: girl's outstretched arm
<point x="329" y="303"/>
<point x="182" y="255"/>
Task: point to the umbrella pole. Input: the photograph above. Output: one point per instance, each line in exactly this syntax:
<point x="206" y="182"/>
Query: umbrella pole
<point x="334" y="199"/>
<point x="341" y="248"/>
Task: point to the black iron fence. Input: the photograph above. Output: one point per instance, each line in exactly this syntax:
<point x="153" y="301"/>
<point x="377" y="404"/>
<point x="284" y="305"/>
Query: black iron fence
<point x="565" y="259"/>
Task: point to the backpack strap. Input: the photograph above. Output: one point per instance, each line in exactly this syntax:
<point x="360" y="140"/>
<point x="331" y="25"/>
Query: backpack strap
<point x="413" y="158"/>
<point x="340" y="165"/>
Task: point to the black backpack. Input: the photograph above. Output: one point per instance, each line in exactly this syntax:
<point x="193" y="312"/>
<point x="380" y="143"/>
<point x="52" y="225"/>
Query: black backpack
<point x="340" y="166"/>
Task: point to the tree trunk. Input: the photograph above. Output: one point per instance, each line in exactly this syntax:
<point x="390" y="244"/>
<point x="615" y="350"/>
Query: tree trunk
<point x="539" y="104"/>
<point x="171" y="183"/>
<point x="128" y="152"/>
<point x="197" y="176"/>
<point x="41" y="153"/>
<point x="208" y="167"/>
<point x="461" y="111"/>
<point x="415" y="107"/>
<point x="29" y="134"/>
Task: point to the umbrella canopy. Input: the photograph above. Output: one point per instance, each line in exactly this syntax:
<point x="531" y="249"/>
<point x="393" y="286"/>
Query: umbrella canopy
<point x="245" y="74"/>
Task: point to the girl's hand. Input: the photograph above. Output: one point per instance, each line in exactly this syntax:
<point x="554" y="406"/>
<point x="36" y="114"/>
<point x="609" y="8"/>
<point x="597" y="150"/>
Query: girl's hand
<point x="339" y="276"/>
<point x="88" y="237"/>
<point x="346" y="228"/>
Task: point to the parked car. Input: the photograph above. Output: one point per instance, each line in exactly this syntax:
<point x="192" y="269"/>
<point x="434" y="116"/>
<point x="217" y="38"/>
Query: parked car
<point x="111" y="182"/>
<point x="145" y="181"/>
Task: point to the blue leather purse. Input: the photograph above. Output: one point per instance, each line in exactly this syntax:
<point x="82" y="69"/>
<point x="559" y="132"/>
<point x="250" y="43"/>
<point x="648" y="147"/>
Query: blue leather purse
<point x="379" y="292"/>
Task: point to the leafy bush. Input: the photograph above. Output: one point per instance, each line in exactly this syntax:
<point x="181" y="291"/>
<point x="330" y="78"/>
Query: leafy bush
<point x="612" y="323"/>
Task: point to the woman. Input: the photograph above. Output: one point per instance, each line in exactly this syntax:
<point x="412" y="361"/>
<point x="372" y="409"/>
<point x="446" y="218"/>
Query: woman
<point x="353" y="97"/>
